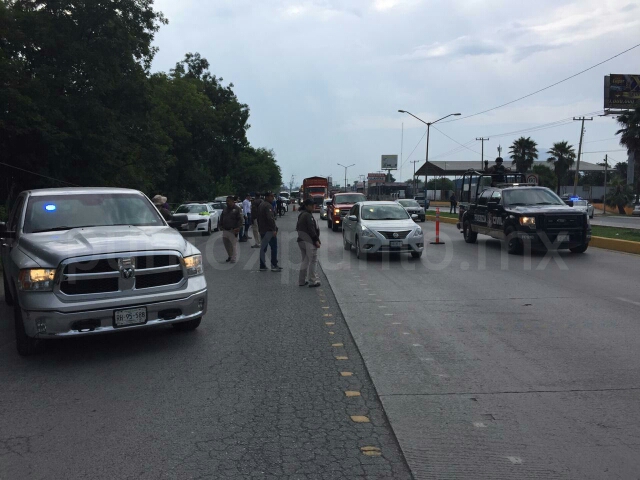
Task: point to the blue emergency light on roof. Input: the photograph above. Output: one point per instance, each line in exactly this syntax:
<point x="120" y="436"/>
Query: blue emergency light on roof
<point x="50" y="207"/>
<point x="574" y="198"/>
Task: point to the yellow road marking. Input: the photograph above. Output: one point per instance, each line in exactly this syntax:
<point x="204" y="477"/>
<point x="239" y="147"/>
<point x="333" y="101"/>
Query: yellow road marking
<point x="342" y="358"/>
<point x="346" y="374"/>
<point x="337" y="345"/>
<point x="328" y="315"/>
<point x="371" y="451"/>
<point x="332" y="333"/>
<point x="352" y="393"/>
<point x="326" y="308"/>
<point x="329" y="323"/>
<point x="360" y="419"/>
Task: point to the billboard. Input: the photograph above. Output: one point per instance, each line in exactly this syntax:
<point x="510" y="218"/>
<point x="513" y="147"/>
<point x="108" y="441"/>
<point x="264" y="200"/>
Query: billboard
<point x="389" y="162"/>
<point x="375" y="178"/>
<point x="622" y="91"/>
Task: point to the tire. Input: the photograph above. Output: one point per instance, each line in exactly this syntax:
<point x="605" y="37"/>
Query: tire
<point x="591" y="216"/>
<point x="208" y="232"/>
<point x="514" y="246"/>
<point x="359" y="253"/>
<point x="345" y="244"/>
<point x="469" y="235"/>
<point x="416" y="254"/>
<point x="328" y="223"/>
<point x="334" y="227"/>
<point x="581" y="249"/>
<point x="217" y="226"/>
<point x="188" y="326"/>
<point x="8" y="298"/>
<point x="25" y="344"/>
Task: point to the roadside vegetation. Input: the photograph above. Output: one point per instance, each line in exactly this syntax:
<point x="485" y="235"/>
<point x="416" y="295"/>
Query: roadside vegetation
<point x="630" y="234"/>
<point x="83" y="107"/>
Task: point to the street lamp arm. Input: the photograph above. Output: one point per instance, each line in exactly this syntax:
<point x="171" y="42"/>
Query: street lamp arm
<point x="447" y="116"/>
<point x="417" y="118"/>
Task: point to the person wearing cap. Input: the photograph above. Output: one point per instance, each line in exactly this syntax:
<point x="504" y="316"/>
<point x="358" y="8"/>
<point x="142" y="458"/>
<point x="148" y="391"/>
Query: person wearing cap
<point x="231" y="221"/>
<point x="497" y="171"/>
<point x="309" y="243"/>
<point x="254" y="220"/>
<point x="160" y="203"/>
<point x="268" y="233"/>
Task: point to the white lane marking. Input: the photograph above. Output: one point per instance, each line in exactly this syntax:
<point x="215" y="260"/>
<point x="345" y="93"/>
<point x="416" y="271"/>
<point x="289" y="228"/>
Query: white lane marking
<point x="479" y="425"/>
<point x="628" y="301"/>
<point x="388" y="314"/>
<point x="515" y="460"/>
<point x="381" y="306"/>
<point x="406" y="333"/>
<point x="416" y="345"/>
<point x="427" y="359"/>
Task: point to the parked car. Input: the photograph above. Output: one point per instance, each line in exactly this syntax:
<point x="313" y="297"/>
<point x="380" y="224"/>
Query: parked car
<point x="202" y="217"/>
<point x="323" y="209"/>
<point x="382" y="227"/>
<point x="88" y="261"/>
<point x="424" y="203"/>
<point x="413" y="207"/>
<point x="636" y="211"/>
<point x="583" y="205"/>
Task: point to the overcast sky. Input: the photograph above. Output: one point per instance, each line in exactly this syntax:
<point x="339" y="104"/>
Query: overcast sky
<point x="324" y="78"/>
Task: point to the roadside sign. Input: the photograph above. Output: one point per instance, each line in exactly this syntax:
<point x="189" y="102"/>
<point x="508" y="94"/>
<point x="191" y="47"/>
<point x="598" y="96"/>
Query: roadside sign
<point x="532" y="179"/>
<point x="389" y="162"/>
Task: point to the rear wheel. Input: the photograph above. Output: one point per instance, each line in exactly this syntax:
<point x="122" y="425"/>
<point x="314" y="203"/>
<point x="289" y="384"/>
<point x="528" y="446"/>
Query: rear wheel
<point x="25" y="344"/>
<point x="514" y="246"/>
<point x="416" y="254"/>
<point x="8" y="298"/>
<point x="187" y="326"/>
<point x="580" y="249"/>
<point x="469" y="235"/>
<point x="345" y="243"/>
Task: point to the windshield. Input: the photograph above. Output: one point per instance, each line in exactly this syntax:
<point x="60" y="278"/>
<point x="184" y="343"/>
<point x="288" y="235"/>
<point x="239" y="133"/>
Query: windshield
<point x="384" y="212"/>
<point x="349" y="198"/>
<point x="217" y="206"/>
<point x="531" y="196"/>
<point x="408" y="203"/>
<point x="191" y="209"/>
<point x="64" y="212"/>
<point x="316" y="190"/>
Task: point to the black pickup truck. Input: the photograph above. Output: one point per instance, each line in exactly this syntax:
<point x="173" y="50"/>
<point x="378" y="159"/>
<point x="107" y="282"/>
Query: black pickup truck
<point x="522" y="214"/>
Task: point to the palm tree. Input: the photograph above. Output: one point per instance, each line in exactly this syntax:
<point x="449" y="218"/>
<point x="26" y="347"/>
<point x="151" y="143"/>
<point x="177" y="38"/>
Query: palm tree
<point x="562" y="156"/>
<point x="630" y="137"/>
<point x="523" y="153"/>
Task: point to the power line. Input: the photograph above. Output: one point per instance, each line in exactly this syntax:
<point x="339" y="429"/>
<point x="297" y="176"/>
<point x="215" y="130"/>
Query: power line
<point x="607" y="151"/>
<point x="545" y="88"/>
<point x="39" y="175"/>
<point x="414" y="148"/>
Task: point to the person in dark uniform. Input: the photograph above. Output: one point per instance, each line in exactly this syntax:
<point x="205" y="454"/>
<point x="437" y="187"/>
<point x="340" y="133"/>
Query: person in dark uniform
<point x="497" y="172"/>
<point x="454" y="203"/>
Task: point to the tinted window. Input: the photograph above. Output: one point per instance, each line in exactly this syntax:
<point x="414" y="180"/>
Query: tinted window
<point x="408" y="203"/>
<point x="482" y="200"/>
<point x="530" y="196"/>
<point x="14" y="218"/>
<point x="63" y="212"/>
<point x="191" y="209"/>
<point x="354" y="198"/>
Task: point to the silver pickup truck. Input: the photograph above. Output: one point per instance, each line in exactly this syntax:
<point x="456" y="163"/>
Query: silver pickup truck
<point x="87" y="261"/>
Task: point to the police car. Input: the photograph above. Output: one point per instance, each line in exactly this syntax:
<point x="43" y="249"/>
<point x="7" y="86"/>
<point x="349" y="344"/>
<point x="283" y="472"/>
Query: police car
<point x="522" y="214"/>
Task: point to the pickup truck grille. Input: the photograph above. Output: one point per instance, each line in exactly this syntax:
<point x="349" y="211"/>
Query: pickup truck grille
<point x="104" y="275"/>
<point x="562" y="223"/>
<point x="389" y="235"/>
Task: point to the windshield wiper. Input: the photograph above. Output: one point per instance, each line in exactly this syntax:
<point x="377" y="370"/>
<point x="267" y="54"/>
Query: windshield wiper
<point x="58" y="229"/>
<point x="518" y="204"/>
<point x="546" y="203"/>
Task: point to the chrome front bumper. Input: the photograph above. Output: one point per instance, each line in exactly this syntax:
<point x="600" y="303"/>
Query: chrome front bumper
<point x="86" y="318"/>
<point x="377" y="244"/>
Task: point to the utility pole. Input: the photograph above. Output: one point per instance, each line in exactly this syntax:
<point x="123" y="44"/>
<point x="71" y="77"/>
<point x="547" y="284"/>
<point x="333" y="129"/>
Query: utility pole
<point x="577" y="175"/>
<point x="604" y="198"/>
<point x="293" y="178"/>
<point x="401" y="144"/>
<point x="482" y="151"/>
<point x="415" y="187"/>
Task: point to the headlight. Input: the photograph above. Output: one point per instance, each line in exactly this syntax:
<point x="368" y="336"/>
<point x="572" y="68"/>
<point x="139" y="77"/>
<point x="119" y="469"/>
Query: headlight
<point x="367" y="233"/>
<point x="529" y="221"/>
<point x="336" y="211"/>
<point x="36" y="279"/>
<point x="194" y="265"/>
<point x="417" y="232"/>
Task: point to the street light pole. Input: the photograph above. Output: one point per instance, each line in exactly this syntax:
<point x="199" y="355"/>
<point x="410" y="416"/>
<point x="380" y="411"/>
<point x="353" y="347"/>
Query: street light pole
<point x="345" y="174"/>
<point x="428" y="124"/>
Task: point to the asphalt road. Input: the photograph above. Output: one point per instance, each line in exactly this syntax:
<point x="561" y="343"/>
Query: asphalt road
<point x="497" y="366"/>
<point x="257" y="391"/>
<point x="616" y="221"/>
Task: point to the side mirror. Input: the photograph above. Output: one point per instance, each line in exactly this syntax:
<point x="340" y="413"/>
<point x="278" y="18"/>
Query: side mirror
<point x="178" y="220"/>
<point x="353" y="218"/>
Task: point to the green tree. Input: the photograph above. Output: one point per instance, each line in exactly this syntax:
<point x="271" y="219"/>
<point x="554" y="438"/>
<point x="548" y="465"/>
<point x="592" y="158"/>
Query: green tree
<point x="546" y="176"/>
<point x="561" y="155"/>
<point x="630" y="138"/>
<point x="523" y="153"/>
<point x="621" y="196"/>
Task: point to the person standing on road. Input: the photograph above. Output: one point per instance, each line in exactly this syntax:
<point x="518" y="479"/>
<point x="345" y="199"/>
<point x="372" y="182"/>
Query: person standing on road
<point x="231" y="223"/>
<point x="454" y="203"/>
<point x="268" y="233"/>
<point x="161" y="204"/>
<point x="246" y="210"/>
<point x="309" y="243"/>
<point x="254" y="218"/>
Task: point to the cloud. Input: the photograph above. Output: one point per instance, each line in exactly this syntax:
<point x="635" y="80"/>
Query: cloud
<point x="461" y="46"/>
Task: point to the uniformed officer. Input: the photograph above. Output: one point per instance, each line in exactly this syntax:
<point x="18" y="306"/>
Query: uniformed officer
<point x="497" y="171"/>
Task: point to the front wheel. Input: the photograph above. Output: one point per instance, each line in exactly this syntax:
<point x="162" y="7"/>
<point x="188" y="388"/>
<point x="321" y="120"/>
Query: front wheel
<point x="359" y="253"/>
<point x="416" y="254"/>
<point x="25" y="344"/>
<point x="8" y="298"/>
<point x="187" y="326"/>
<point x="469" y="235"/>
<point x="345" y="243"/>
<point x="334" y="227"/>
<point x="514" y="246"/>
<point x="329" y="223"/>
<point x="208" y="232"/>
<point x="581" y="249"/>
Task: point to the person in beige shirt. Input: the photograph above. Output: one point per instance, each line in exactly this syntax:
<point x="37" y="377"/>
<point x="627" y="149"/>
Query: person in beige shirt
<point x="309" y="243"/>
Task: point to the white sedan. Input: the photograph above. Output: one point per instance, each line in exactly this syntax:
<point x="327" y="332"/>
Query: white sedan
<point x="584" y="206"/>
<point x="382" y="227"/>
<point x="202" y="217"/>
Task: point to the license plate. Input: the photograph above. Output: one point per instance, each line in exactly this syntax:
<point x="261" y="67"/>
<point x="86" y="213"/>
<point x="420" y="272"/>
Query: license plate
<point x="131" y="316"/>
<point x="395" y="243"/>
<point x="562" y="238"/>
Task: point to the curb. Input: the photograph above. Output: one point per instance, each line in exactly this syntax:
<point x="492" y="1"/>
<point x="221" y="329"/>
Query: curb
<point x="625" y="246"/>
